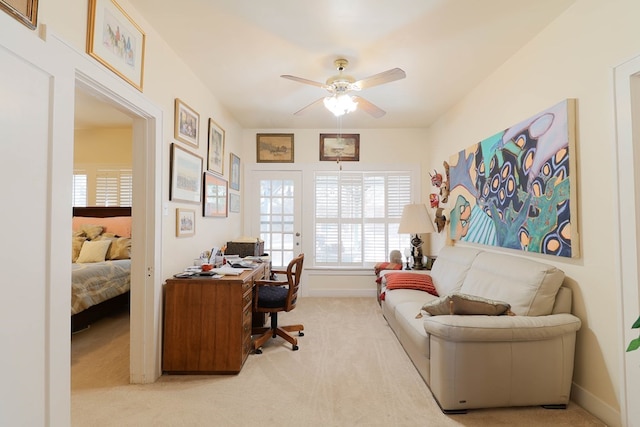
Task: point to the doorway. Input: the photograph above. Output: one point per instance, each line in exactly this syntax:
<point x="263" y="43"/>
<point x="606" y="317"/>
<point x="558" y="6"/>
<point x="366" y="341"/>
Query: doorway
<point x="103" y="151"/>
<point x="277" y="214"/>
<point x="627" y="102"/>
<point x="146" y="257"/>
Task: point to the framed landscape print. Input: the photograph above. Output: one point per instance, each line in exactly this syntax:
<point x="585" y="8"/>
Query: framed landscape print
<point x="234" y="202"/>
<point x="186" y="175"/>
<point x="186" y="123"/>
<point x="342" y="147"/>
<point x="185" y="222"/>
<point x="116" y="41"/>
<point x="215" y="158"/>
<point x="25" y="11"/>
<point x="235" y="172"/>
<point x="215" y="196"/>
<point x="274" y="148"/>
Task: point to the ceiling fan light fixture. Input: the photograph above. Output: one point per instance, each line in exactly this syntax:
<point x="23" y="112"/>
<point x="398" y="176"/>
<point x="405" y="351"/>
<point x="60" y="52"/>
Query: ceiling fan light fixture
<point x="340" y="104"/>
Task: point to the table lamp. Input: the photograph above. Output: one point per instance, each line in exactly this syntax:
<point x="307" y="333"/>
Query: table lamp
<point x="415" y="220"/>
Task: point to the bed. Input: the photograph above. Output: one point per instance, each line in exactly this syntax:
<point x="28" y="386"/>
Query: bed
<point x="101" y="263"/>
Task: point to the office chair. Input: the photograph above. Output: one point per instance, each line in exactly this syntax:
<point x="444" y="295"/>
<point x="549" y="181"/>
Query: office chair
<point x="274" y="296"/>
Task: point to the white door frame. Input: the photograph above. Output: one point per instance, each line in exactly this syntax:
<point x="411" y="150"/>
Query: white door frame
<point x="146" y="233"/>
<point x="627" y="111"/>
<point x="252" y="200"/>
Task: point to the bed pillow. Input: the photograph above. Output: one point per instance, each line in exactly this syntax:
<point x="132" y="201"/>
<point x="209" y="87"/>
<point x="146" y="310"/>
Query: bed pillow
<point x="91" y="230"/>
<point x="421" y="282"/>
<point x="77" y="241"/>
<point x="464" y="304"/>
<point x="120" y="247"/>
<point x="93" y="251"/>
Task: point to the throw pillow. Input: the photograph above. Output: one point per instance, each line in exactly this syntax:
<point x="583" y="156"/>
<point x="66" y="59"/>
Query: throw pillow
<point x="421" y="282"/>
<point x="93" y="251"/>
<point x="76" y="245"/>
<point x="92" y="231"/>
<point x="386" y="266"/>
<point x="464" y="304"/>
<point x="120" y="247"/>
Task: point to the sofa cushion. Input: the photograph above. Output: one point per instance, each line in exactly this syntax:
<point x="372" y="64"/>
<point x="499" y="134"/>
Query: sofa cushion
<point x="399" y="296"/>
<point x="420" y="282"/>
<point x="451" y="267"/>
<point x="464" y="304"/>
<point x="412" y="326"/>
<point x="530" y="287"/>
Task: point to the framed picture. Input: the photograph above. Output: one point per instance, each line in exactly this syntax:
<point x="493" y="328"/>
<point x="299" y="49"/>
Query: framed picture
<point x="186" y="125"/>
<point x="215" y="196"/>
<point x="274" y="148"/>
<point x="234" y="202"/>
<point x="186" y="175"/>
<point x="185" y="222"/>
<point x="234" y="160"/>
<point x="215" y="159"/>
<point x="25" y="11"/>
<point x="116" y="41"/>
<point x="343" y="147"/>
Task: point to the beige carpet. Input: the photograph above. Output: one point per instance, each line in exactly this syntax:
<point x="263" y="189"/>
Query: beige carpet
<point x="350" y="371"/>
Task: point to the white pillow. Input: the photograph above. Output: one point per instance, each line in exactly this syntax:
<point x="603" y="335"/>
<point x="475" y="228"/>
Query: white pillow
<point x="93" y="251"/>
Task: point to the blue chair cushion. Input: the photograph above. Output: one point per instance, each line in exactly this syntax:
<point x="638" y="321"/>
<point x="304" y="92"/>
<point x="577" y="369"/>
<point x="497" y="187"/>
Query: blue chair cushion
<point x="272" y="296"/>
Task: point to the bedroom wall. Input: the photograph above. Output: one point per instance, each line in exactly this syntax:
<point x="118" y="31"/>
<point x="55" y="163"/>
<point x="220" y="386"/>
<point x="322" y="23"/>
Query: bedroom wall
<point x="572" y="58"/>
<point x="103" y="146"/>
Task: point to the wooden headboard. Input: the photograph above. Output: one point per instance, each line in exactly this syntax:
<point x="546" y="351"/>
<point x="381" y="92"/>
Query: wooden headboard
<point x="101" y="211"/>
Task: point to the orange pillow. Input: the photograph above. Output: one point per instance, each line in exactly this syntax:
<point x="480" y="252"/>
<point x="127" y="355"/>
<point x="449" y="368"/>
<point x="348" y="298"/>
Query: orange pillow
<point x="421" y="282"/>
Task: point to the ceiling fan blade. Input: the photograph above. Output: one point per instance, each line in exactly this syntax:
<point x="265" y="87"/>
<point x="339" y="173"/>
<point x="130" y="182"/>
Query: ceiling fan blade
<point x="368" y="107"/>
<point x="303" y="109"/>
<point x="305" y="81"/>
<point x="381" y="78"/>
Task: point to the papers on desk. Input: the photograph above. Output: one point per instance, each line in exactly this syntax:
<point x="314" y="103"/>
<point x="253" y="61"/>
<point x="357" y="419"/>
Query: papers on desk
<point x="227" y="270"/>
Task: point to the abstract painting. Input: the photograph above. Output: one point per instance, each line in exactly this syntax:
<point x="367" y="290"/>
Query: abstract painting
<point x="516" y="188"/>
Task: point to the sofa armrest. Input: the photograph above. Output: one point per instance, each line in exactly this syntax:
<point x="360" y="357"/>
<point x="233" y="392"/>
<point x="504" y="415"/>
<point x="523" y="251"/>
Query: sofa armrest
<point x="500" y="328"/>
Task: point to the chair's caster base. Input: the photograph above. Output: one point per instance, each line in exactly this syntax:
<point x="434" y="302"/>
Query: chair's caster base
<point x="258" y="351"/>
<point x="300" y="334"/>
<point x="295" y="347"/>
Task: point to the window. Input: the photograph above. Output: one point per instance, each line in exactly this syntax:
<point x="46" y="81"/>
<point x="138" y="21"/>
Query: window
<point x="357" y="216"/>
<point x="103" y="187"/>
<point x="114" y="187"/>
<point x="79" y="188"/>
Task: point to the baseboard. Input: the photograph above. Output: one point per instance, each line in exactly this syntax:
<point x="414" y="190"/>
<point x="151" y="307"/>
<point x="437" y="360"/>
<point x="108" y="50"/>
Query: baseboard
<point x="590" y="403"/>
<point x="341" y="293"/>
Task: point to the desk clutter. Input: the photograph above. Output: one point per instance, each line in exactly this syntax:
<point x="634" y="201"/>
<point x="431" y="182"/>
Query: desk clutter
<point x="224" y="265"/>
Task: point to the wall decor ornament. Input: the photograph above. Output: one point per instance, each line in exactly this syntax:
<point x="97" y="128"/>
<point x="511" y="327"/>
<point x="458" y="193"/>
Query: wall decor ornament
<point x="340" y="147"/>
<point x="216" y="192"/>
<point x="25" y="11"/>
<point x="186" y="123"/>
<point x="234" y="202"/>
<point x="516" y="189"/>
<point x="116" y="41"/>
<point x="215" y="157"/>
<point x="274" y="148"/>
<point x="234" y="182"/>
<point x="185" y="222"/>
<point x="186" y="175"/>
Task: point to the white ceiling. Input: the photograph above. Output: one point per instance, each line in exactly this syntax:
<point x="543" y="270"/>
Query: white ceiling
<point x="239" y="48"/>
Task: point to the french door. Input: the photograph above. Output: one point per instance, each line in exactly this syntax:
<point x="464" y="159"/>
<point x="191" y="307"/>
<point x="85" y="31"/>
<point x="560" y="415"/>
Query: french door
<point x="276" y="206"/>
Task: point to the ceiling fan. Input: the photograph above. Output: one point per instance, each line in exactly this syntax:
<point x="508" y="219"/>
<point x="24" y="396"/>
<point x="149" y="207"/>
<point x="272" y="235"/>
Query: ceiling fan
<point x="339" y="101"/>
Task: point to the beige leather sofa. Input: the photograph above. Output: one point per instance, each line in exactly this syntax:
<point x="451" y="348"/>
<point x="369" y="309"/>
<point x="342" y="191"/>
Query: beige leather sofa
<point x="479" y="361"/>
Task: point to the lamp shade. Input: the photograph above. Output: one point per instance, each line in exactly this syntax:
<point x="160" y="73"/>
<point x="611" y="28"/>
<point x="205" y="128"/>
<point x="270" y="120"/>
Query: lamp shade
<point x="415" y="220"/>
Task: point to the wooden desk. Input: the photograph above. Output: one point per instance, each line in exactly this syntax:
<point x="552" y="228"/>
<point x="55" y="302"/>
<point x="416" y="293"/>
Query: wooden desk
<point x="207" y="323"/>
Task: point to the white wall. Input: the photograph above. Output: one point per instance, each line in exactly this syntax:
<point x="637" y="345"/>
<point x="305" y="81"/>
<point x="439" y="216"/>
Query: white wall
<point x="572" y="58"/>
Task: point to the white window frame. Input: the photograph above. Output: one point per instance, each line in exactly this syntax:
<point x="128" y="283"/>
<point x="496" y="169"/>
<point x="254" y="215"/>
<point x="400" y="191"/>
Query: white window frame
<point x="366" y="258"/>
